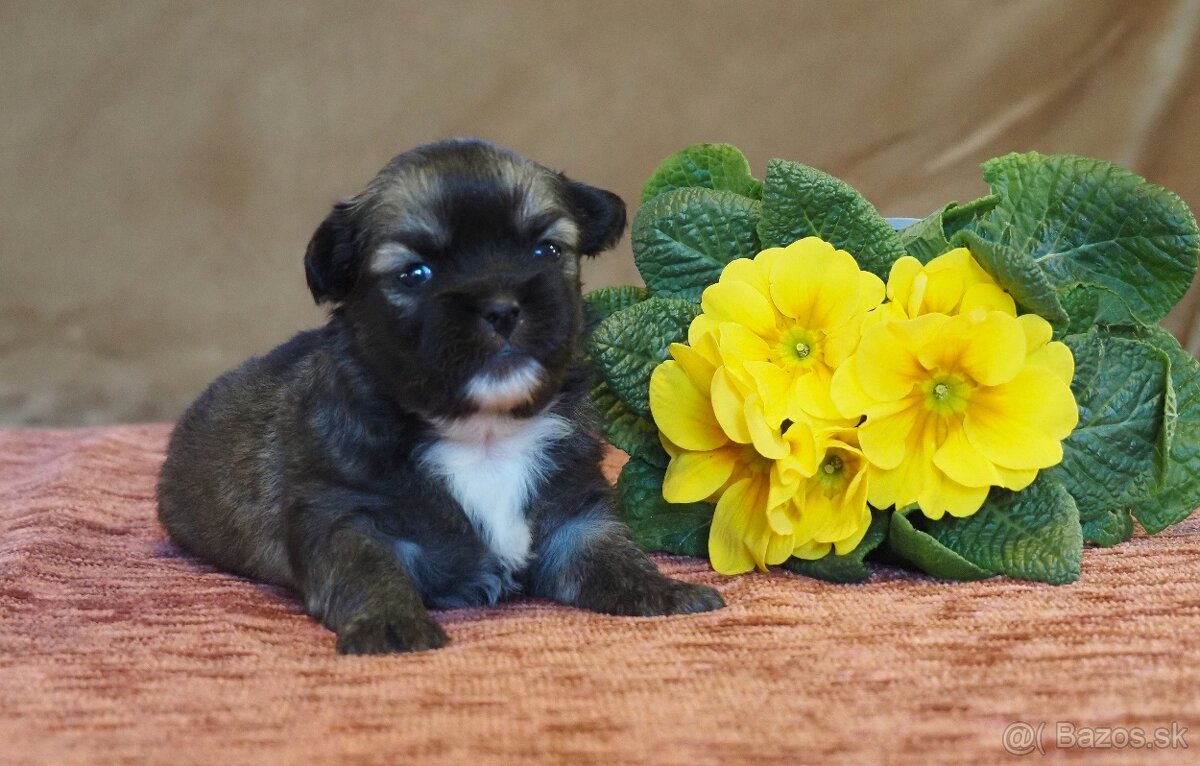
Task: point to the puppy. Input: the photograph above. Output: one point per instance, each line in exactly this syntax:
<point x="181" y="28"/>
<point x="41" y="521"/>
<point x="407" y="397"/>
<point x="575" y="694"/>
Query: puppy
<point x="431" y="445"/>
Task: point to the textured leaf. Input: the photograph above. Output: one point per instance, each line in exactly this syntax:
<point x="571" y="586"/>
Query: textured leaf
<point x="1180" y="491"/>
<point x="930" y="237"/>
<point x="1017" y="273"/>
<point x="626" y="430"/>
<point x="926" y="239"/>
<point x="1088" y="222"/>
<point x="1108" y="528"/>
<point x="927" y="554"/>
<point x="956" y="217"/>
<point x="628" y="345"/>
<point x="708" y="166"/>
<point x="1033" y="534"/>
<point x="603" y="302"/>
<point x="1111" y="458"/>
<point x="849" y="567"/>
<point x="800" y="201"/>
<point x="656" y="524"/>
<point x="682" y="239"/>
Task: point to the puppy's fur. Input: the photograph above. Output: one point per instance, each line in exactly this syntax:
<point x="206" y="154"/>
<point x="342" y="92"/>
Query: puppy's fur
<point x="431" y="445"/>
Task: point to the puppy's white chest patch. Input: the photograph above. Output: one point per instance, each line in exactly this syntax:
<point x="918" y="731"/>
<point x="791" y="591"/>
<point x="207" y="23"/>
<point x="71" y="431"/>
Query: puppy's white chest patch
<point x="491" y="465"/>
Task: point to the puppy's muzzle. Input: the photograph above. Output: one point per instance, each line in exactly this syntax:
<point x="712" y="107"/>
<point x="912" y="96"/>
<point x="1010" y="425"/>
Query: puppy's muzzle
<point x="502" y="313"/>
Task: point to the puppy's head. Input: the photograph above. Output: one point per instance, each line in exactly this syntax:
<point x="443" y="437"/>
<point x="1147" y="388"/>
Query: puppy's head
<point x="458" y="270"/>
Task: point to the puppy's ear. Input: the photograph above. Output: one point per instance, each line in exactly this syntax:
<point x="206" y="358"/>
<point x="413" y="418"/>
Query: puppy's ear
<point x="331" y="263"/>
<point x="600" y="215"/>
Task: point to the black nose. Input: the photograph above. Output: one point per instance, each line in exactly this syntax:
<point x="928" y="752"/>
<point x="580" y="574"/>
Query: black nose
<point x="502" y="314"/>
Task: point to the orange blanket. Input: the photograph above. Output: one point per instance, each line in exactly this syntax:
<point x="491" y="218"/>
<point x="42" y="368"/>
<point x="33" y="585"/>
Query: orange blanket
<point x="115" y="648"/>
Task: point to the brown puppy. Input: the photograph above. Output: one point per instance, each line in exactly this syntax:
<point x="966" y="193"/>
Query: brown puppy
<point x="432" y="444"/>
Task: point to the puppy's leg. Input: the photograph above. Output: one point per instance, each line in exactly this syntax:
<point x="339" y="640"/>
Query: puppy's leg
<point x="590" y="561"/>
<point x="353" y="581"/>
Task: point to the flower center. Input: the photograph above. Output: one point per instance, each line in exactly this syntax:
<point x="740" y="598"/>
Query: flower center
<point x="946" y="394"/>
<point x="797" y="347"/>
<point x="832" y="473"/>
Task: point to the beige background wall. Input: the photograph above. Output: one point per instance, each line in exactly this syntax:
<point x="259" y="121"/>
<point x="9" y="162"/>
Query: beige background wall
<point x="162" y="165"/>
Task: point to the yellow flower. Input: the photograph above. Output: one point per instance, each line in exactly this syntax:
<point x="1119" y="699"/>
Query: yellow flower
<point x="787" y="319"/>
<point x="745" y="412"/>
<point x="834" y="506"/>
<point x="952" y="283"/>
<point x="957" y="404"/>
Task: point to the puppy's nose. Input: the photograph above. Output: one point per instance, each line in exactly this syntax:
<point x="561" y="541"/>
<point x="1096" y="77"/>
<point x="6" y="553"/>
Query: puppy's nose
<point x="502" y="314"/>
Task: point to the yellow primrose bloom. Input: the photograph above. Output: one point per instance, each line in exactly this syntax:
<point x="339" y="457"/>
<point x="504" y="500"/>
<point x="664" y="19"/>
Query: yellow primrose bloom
<point x="834" y="512"/>
<point x="785" y="321"/>
<point x="952" y="283"/>
<point x="955" y="405"/>
<point x="744" y="409"/>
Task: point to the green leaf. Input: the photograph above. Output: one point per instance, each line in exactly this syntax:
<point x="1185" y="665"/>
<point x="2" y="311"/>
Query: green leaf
<point x="1179" y="494"/>
<point x="926" y="239"/>
<point x="1016" y="272"/>
<point x="956" y="216"/>
<point x="656" y="524"/>
<point x="1088" y="222"/>
<point x="708" y="166"/>
<point x="800" y="201"/>
<point x="848" y="567"/>
<point x="927" y="554"/>
<point x="682" y="239"/>
<point x="1033" y="534"/>
<point x="628" y="345"/>
<point x="603" y="302"/>
<point x="1108" y="528"/>
<point x="626" y="430"/>
<point x="1109" y="460"/>
<point x="930" y="237"/>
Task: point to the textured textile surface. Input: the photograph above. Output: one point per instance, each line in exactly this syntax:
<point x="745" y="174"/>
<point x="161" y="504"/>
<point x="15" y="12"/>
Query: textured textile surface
<point x="116" y="649"/>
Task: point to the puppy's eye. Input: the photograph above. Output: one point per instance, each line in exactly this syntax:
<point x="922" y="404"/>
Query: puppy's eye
<point x="545" y="249"/>
<point x="415" y="275"/>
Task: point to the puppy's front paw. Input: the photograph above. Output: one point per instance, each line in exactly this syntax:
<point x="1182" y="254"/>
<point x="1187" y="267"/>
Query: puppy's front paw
<point x="668" y="596"/>
<point x="378" y="631"/>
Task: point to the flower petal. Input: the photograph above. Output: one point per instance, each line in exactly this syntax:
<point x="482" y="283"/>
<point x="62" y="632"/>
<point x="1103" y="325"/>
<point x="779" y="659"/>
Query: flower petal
<point x="900" y="280"/>
<point x="767" y="441"/>
<point x="695" y="476"/>
<point x="739" y="345"/>
<point x="733" y="520"/>
<point x="1057" y="358"/>
<point x="772" y="384"/>
<point x="729" y="407"/>
<point x="810" y="394"/>
<point x="741" y="304"/>
<point x="887" y="435"/>
<point x="942" y="495"/>
<point x="1021" y="424"/>
<point x="811" y="551"/>
<point x="996" y="349"/>
<point x="1015" y="480"/>
<point x="989" y="297"/>
<point x="682" y="412"/>
<point x="886" y="362"/>
<point x="816" y="284"/>
<point x="1037" y="331"/>
<point x="943" y="291"/>
<point x="958" y="458"/>
<point x="848" y="396"/>
<point x="697" y="368"/>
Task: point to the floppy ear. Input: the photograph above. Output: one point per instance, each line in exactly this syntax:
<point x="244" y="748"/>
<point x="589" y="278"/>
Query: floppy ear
<point x="331" y="261"/>
<point x="600" y="215"/>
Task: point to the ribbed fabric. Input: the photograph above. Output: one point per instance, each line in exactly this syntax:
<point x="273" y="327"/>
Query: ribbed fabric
<point x="114" y="648"/>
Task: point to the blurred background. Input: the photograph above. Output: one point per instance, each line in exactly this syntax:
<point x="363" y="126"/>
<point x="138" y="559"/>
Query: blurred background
<point x="163" y="164"/>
